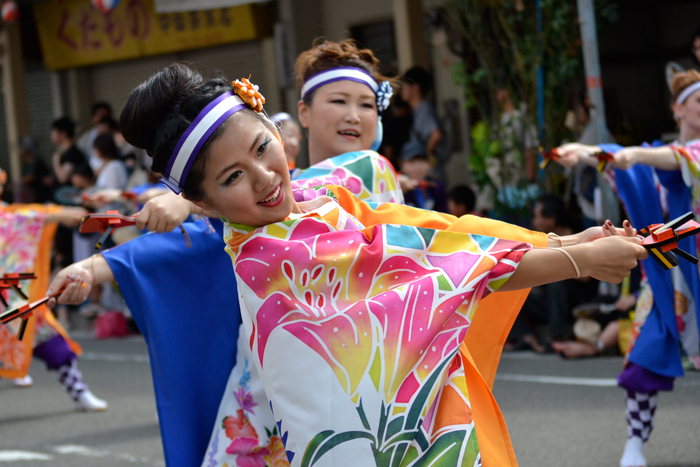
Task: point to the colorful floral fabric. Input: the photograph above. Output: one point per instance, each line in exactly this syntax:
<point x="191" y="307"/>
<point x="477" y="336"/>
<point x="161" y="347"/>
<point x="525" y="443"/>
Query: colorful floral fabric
<point x="357" y="328"/>
<point x="366" y="174"/>
<point x="25" y="246"/>
<point x="20" y="234"/>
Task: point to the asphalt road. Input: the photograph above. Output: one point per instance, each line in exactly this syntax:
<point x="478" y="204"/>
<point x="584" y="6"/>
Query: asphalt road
<point x="560" y="413"/>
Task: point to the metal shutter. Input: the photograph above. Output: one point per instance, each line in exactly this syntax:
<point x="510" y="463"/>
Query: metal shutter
<point x="234" y="61"/>
<point x="39" y="107"/>
<point x="40" y="112"/>
<point x="113" y="82"/>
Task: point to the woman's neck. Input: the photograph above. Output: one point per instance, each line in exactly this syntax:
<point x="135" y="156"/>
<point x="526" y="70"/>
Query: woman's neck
<point x="318" y="153"/>
<point x="688" y="133"/>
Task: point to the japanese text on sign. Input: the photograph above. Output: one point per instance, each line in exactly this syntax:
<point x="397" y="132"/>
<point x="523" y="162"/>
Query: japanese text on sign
<point x="74" y="33"/>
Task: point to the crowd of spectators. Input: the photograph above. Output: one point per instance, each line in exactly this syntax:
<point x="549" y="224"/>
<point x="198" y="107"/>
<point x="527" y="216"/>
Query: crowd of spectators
<point x="97" y="170"/>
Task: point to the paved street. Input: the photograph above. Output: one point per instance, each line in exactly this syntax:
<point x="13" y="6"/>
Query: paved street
<point x="560" y="413"/>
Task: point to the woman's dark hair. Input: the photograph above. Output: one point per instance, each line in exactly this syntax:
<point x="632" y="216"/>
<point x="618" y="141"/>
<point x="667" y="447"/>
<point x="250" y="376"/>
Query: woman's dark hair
<point x="158" y="112"/>
<point x="105" y="145"/>
<point x="326" y="55"/>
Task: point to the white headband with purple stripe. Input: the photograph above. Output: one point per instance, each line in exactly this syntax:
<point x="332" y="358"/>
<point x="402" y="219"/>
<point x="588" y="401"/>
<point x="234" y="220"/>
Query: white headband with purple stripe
<point x="685" y="94"/>
<point x="193" y="139"/>
<point x="346" y="73"/>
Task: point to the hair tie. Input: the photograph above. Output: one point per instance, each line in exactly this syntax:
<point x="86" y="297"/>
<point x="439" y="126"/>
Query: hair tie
<point x="573" y="262"/>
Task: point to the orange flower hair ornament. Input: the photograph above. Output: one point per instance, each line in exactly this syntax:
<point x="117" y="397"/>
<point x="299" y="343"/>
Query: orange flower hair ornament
<point x="249" y="93"/>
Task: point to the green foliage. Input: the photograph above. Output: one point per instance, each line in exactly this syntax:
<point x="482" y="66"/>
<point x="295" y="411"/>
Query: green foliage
<point x="504" y="50"/>
<point x="483" y="149"/>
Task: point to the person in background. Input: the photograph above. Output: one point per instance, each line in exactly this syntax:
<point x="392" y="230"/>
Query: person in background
<point x="427" y="192"/>
<point x="397" y="123"/>
<point x="35" y="184"/>
<point x="68" y="155"/>
<point x="550" y="305"/>
<point x="82" y="182"/>
<point x="112" y="173"/>
<point x="518" y="138"/>
<point x="25" y="245"/>
<point x="292" y="136"/>
<point x="99" y="111"/>
<point x="426" y="129"/>
<point x="461" y="201"/>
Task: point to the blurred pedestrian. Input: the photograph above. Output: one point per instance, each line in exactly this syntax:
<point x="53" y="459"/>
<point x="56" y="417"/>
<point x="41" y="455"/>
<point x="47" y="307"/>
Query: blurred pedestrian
<point x="292" y="137"/>
<point x="112" y="173"/>
<point x="426" y="129"/>
<point x="99" y="111"/>
<point x="427" y="192"/>
<point x="68" y="155"/>
<point x="35" y="184"/>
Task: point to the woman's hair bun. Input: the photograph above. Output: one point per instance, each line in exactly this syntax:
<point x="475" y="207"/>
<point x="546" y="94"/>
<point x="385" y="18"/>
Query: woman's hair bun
<point x="153" y="100"/>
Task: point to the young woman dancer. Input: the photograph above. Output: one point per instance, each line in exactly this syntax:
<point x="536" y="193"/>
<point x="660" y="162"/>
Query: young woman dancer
<point x="26" y="236"/>
<point x="242" y="175"/>
<point x="654" y="183"/>
<point x="189" y="371"/>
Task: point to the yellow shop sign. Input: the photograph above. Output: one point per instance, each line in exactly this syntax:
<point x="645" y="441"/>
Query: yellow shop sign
<point x="74" y="33"/>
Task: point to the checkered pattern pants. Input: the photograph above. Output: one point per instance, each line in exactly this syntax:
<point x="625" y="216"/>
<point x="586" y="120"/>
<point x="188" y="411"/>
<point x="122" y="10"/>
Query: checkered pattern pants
<point x="72" y="380"/>
<point x="641" y="407"/>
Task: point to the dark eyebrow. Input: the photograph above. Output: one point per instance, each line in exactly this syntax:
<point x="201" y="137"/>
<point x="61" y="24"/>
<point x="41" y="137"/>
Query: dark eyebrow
<point x="226" y="169"/>
<point x="257" y="138"/>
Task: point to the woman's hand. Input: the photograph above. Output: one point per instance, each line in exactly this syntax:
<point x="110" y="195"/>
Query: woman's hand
<point x="407" y="183"/>
<point x="102" y="197"/>
<point x="625" y="303"/>
<point x="610" y="259"/>
<point x="593" y="233"/>
<point x="625" y="158"/>
<point x="570" y="154"/>
<point x="606" y="230"/>
<point x="79" y="278"/>
<point x="164" y="213"/>
<point x="67" y="216"/>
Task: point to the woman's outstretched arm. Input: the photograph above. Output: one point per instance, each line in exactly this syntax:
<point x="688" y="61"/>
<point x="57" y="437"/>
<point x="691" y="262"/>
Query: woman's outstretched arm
<point x="609" y="259"/>
<point x="663" y="157"/>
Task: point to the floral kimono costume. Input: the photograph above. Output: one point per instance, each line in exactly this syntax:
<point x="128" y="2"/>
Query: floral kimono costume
<point x="25" y="246"/>
<point x="361" y="310"/>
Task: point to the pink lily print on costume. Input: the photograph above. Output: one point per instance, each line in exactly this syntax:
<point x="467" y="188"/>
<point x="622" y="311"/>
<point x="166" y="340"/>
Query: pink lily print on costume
<point x="356" y="332"/>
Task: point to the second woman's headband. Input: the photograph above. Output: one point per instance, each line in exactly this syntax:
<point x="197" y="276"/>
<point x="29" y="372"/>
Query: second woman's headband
<point x="685" y="94"/>
<point x="244" y="95"/>
<point x="383" y="91"/>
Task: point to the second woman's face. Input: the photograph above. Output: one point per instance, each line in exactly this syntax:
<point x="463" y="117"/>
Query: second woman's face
<point x="342" y="118"/>
<point x="689" y="111"/>
<point x="246" y="179"/>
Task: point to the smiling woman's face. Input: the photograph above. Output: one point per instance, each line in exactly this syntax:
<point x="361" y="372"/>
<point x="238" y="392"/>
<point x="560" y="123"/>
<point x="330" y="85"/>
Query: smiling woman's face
<point x="246" y="179"/>
<point x="342" y="118"/>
